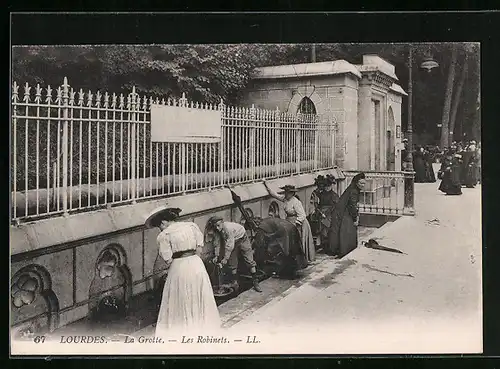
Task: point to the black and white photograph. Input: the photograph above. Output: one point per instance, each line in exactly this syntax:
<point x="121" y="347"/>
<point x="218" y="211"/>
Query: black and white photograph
<point x="246" y="198"/>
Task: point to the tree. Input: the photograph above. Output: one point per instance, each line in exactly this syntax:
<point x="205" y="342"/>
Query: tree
<point x="207" y="73"/>
<point x="447" y="99"/>
<point x="457" y="99"/>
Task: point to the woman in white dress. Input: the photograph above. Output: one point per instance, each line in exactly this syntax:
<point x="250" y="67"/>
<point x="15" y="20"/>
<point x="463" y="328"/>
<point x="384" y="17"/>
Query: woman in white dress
<point x="188" y="302"/>
<point x="296" y="214"/>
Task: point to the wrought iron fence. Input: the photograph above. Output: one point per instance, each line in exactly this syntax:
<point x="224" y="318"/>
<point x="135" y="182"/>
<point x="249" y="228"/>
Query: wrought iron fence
<point x="81" y="150"/>
<point x="385" y="193"/>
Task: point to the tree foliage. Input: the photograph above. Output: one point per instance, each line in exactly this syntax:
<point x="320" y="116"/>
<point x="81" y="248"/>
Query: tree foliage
<point x="210" y="72"/>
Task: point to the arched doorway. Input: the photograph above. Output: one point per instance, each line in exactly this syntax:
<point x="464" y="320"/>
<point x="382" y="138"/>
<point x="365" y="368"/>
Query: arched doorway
<point x="390" y="143"/>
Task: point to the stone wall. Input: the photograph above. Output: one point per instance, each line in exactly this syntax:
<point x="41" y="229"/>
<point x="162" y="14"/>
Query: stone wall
<point x="335" y="99"/>
<point x="61" y="267"/>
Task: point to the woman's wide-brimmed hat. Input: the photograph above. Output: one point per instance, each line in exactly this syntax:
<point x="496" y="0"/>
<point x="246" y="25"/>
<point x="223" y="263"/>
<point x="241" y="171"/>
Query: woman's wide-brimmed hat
<point x="319" y="180"/>
<point x="288" y="188"/>
<point x="330" y="179"/>
<point x="164" y="212"/>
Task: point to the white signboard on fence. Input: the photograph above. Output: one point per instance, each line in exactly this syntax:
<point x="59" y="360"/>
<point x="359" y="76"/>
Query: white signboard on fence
<point x="183" y="124"/>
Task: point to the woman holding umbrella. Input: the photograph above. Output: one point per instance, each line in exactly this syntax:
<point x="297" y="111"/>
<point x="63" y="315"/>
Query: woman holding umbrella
<point x="188" y="302"/>
<point x="296" y="214"/>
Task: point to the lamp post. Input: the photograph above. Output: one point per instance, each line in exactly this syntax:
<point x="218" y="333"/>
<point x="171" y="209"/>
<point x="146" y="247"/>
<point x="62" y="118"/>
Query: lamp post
<point x="409" y="156"/>
<point x="428" y="64"/>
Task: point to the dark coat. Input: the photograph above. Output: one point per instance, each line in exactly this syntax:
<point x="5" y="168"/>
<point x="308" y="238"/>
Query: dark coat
<point x="429" y="170"/>
<point x="450" y="184"/>
<point x="279" y="241"/>
<point x="468" y="171"/>
<point x="343" y="233"/>
<point x="419" y="167"/>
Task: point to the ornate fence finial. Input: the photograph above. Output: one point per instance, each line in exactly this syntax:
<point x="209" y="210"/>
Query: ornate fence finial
<point x="129" y="101"/>
<point x="81" y="97"/>
<point x="106" y="100"/>
<point x="253" y="112"/>
<point x="27" y="91"/>
<point x="48" y="99"/>
<point x="221" y="104"/>
<point x="65" y="88"/>
<point x="15" y="92"/>
<point x="122" y="101"/>
<point x="59" y="93"/>
<point x="38" y="93"/>
<point x="183" y="100"/>
<point x="98" y="97"/>
<point x="133" y="99"/>
<point x="72" y="95"/>
<point x="90" y="97"/>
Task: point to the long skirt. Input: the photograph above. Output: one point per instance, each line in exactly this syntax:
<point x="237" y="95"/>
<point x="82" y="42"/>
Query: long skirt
<point x="343" y="235"/>
<point x="188" y="303"/>
<point x="307" y="239"/>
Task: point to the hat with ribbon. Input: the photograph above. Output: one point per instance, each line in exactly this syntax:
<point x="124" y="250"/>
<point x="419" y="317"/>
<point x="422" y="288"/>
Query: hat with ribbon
<point x="319" y="180"/>
<point x="162" y="213"/>
<point x="330" y="179"/>
<point x="288" y="188"/>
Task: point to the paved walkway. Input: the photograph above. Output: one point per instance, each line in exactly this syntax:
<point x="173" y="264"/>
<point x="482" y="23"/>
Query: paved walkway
<point x="427" y="300"/>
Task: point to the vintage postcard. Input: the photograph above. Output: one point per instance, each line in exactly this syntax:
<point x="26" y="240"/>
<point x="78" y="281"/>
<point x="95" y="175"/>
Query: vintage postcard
<point x="246" y="199"/>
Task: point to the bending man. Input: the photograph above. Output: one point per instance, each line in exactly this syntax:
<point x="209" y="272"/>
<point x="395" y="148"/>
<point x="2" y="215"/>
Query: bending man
<point x="236" y="242"/>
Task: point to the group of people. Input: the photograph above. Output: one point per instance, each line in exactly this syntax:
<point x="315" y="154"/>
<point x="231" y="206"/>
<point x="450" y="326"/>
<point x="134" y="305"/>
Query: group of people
<point x="188" y="300"/>
<point x="335" y="218"/>
<point x="460" y="166"/>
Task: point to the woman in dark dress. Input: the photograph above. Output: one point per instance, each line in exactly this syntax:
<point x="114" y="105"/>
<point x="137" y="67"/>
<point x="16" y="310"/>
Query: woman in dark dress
<point x="469" y="162"/>
<point x="450" y="184"/>
<point x="419" y="165"/>
<point x="328" y="199"/>
<point x="343" y="232"/>
<point x="429" y="170"/>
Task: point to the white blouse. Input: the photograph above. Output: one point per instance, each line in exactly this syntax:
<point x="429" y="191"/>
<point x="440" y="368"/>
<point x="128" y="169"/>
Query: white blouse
<point x="293" y="207"/>
<point x="179" y="236"/>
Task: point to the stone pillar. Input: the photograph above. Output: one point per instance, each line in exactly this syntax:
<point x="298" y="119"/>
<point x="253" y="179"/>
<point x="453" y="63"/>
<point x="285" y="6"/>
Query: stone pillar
<point x="365" y="126"/>
<point x="374" y="87"/>
<point x="350" y="121"/>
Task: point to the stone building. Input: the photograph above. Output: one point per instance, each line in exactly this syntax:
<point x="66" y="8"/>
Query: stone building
<point x="362" y="101"/>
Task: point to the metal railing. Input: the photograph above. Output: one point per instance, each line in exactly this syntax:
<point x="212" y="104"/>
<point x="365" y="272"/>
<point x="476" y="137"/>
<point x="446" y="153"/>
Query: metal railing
<point x="385" y="193"/>
<point x="79" y="150"/>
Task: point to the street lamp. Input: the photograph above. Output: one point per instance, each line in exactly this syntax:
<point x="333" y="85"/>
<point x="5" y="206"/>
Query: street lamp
<point x="429" y="63"/>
